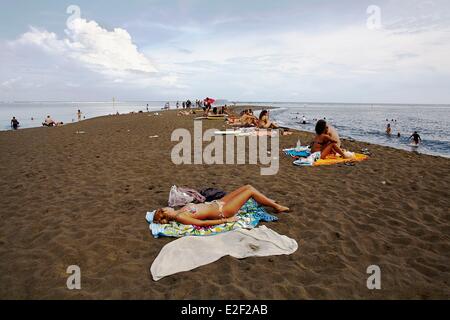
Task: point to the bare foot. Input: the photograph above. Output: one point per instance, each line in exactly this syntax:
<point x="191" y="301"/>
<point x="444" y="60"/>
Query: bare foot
<point x="280" y="208"/>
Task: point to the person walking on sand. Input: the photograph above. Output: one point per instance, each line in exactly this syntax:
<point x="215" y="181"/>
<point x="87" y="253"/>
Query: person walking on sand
<point x="416" y="137"/>
<point x="14" y="123"/>
<point x="216" y="212"/>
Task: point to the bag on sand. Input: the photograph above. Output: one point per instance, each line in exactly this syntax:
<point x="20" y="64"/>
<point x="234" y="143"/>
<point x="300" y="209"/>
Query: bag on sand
<point x="212" y="194"/>
<point x="178" y="198"/>
<point x="198" y="198"/>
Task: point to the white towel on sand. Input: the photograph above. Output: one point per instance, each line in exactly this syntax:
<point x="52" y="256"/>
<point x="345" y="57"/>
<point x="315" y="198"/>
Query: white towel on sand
<point x="188" y="253"/>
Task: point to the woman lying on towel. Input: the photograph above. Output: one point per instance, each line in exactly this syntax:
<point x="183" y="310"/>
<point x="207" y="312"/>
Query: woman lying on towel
<point x="216" y="212"/>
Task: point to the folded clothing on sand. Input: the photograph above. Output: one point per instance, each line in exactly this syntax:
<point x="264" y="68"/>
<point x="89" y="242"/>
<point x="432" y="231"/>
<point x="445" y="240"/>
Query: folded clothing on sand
<point x="192" y="252"/>
<point x="249" y="217"/>
<point x="211" y="194"/>
<point x="308" y="161"/>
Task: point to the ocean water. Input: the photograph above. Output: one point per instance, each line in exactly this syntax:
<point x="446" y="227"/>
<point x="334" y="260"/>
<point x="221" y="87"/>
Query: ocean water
<point x="364" y="122"/>
<point x="367" y="122"/>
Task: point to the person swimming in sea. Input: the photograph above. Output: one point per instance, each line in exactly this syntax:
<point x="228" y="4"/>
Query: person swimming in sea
<point x="388" y="129"/>
<point x="216" y="212"/>
<point x="416" y="137"/>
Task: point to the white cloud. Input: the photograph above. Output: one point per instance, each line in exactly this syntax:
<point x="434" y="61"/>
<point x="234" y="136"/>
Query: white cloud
<point x="108" y="52"/>
<point x="10" y="82"/>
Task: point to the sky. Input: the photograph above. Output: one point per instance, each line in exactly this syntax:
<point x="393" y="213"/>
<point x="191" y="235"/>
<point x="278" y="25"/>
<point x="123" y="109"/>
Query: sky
<point x="377" y="51"/>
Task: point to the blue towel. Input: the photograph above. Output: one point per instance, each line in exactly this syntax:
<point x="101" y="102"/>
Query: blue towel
<point x="297" y="154"/>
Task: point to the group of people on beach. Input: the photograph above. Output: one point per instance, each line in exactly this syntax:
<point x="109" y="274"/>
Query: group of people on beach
<point x="184" y="104"/>
<point x="248" y="119"/>
<point x="48" y="121"/>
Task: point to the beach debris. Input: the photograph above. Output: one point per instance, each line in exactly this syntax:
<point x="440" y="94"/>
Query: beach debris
<point x="383" y="182"/>
<point x="80" y="132"/>
<point x="366" y="151"/>
<point x="152" y="137"/>
<point x="349" y="164"/>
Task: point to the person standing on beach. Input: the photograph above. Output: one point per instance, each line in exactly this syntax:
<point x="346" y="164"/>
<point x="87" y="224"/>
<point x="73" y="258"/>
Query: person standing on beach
<point x="416" y="137"/>
<point x="14" y="123"/>
<point x="79" y="115"/>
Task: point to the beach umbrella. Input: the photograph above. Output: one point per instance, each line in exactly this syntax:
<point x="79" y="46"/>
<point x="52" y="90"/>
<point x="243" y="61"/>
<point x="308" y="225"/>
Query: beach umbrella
<point x="209" y="100"/>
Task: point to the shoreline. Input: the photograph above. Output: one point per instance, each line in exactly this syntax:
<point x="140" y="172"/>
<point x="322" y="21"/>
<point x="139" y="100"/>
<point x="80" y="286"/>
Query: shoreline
<point x="237" y="109"/>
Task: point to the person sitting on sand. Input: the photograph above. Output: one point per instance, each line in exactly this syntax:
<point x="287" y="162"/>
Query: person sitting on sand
<point x="14" y="123"/>
<point x="416" y="137"/>
<point x="248" y="119"/>
<point x="216" y="212"/>
<point x="223" y="110"/>
<point x="332" y="132"/>
<point x="264" y="121"/>
<point x="49" y="122"/>
<point x="324" y="143"/>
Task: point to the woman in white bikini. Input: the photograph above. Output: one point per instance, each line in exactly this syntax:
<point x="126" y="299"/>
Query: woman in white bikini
<point x="216" y="212"/>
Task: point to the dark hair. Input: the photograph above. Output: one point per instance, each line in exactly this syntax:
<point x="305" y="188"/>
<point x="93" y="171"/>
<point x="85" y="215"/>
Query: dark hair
<point x="262" y="114"/>
<point x="321" y="126"/>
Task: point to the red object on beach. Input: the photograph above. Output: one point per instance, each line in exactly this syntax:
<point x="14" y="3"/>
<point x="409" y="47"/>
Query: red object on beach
<point x="209" y="100"/>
